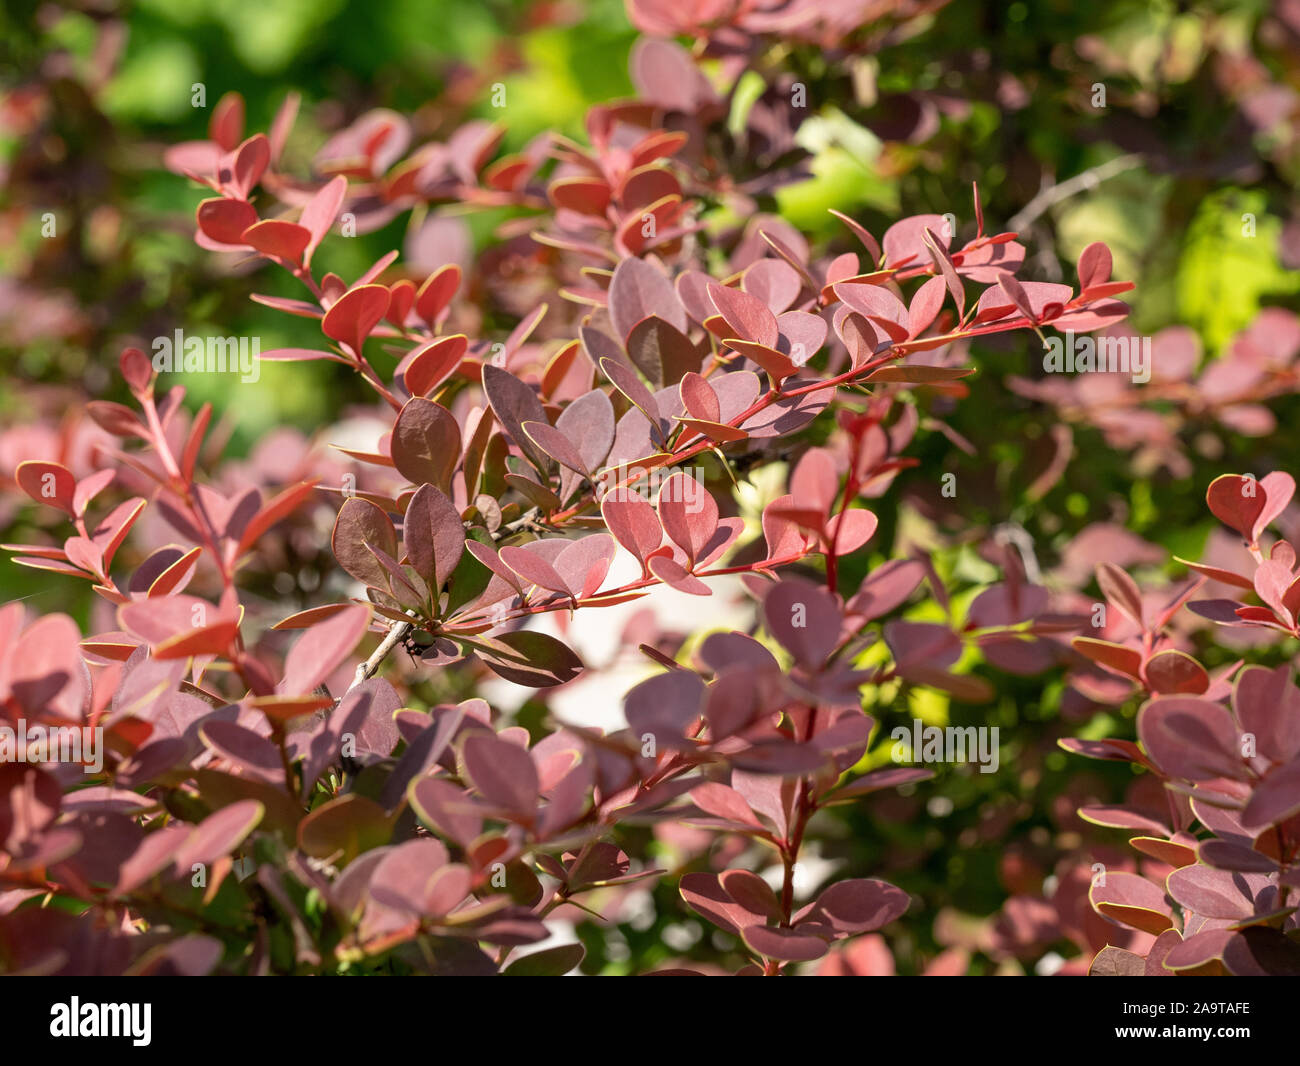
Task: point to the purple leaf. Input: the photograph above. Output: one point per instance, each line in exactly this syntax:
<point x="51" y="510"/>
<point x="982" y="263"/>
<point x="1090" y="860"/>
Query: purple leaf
<point x="787" y="945"/>
<point x="320" y="649"/>
<point x="1191" y="738"/>
<point x="588" y="421"/>
<point x="251" y="751"/>
<point x="536" y="660"/>
<point x="661" y="352"/>
<point x="724" y="802"/>
<point x="1267" y="705"/>
<point x="859" y="905"/>
<point x="403" y="877"/>
<point x="1215" y="893"/>
<point x="665" y="706"/>
<point x="1132" y="900"/>
<point x="218" y="834"/>
<point x="1262" y="952"/>
<point x="426" y="443"/>
<point x="631" y="386"/>
<point x="433" y="535"/>
<point x="443" y="807"/>
<point x="804" y="618"/>
<point x="776" y="283"/>
<point x="359" y="523"/>
<point x="752" y="894"/>
<point x="555" y="444"/>
<point x="705" y="895"/>
<point x="637" y="291"/>
<point x="503" y="773"/>
<point x="1275" y="799"/>
<point x="514" y="403"/>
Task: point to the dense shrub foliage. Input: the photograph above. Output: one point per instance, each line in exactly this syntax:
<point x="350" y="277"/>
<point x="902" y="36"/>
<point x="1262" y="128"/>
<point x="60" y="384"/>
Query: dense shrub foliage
<point x="311" y="717"/>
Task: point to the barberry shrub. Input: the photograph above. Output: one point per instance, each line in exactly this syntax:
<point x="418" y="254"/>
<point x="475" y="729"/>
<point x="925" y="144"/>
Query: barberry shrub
<point x="258" y="790"/>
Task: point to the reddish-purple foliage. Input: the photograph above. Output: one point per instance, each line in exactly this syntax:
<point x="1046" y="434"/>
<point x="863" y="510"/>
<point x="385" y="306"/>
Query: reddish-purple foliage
<point x="508" y="476"/>
<point x="1219" y="844"/>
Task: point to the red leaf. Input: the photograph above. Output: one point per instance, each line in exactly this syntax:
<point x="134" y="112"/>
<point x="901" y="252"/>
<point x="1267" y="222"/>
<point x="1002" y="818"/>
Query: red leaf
<point x="1094" y="265"/>
<point x="319" y="214"/>
<point x="752" y="894"/>
<point x="1132" y="900"/>
<point x="555" y="444"/>
<point x="584" y="194"/>
<point x="747" y="317"/>
<point x="273" y="236"/>
<point x="778" y="366"/>
<point x="584" y="563"/>
<point x="1237" y="502"/>
<point x="886" y="587"/>
<point x="705" y="895"/>
<point x="1278" y="488"/>
<point x="224" y="220"/>
<point x="227" y="123"/>
<point x="904" y="241"/>
<point x="633" y="522"/>
<point x="48" y="482"/>
<point x="532" y="568"/>
<point x="436" y="293"/>
<point x="689" y="514"/>
<point x="673" y="574"/>
<point x="1127" y="661"/>
<point x="275" y="510"/>
<point x="431" y="364"/>
<point x="251" y="160"/>
<point x="350" y="320"/>
<point x="725" y="802"/>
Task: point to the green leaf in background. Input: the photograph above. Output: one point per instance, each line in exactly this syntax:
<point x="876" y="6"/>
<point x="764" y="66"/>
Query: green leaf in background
<point x="564" y="72"/>
<point x="1225" y="272"/>
<point x="844" y="174"/>
<point x="155" y="82"/>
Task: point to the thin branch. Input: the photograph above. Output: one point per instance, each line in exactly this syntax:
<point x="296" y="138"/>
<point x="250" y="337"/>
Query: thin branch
<point x="528" y="520"/>
<point x="397" y="633"/>
<point x="1054" y="194"/>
